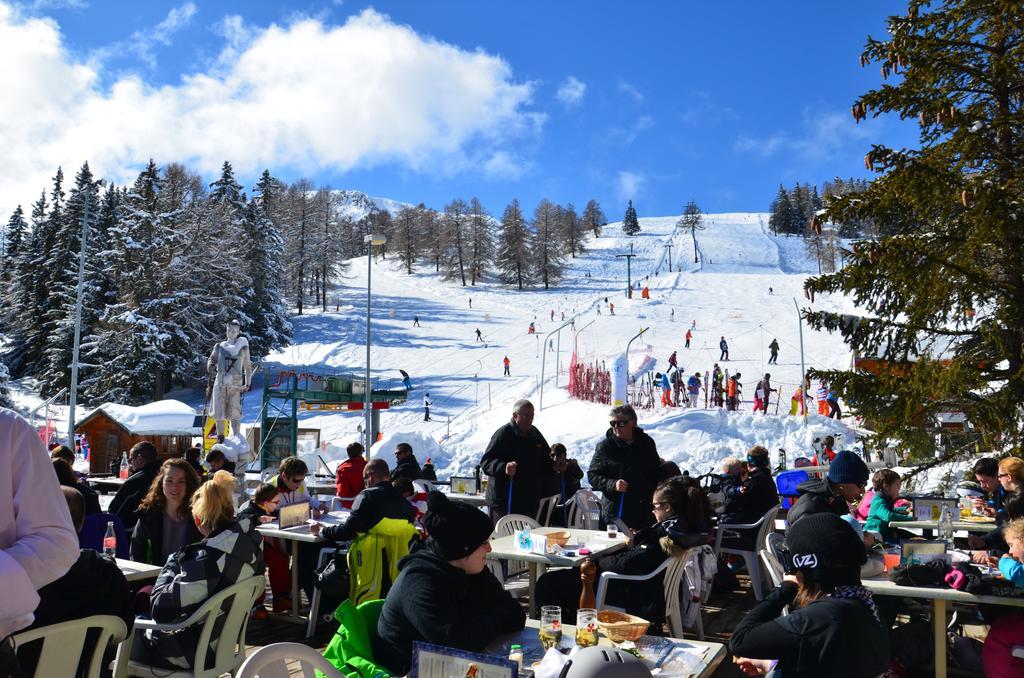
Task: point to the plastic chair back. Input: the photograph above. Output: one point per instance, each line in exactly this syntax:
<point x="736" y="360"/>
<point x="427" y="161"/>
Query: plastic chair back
<point x="506" y="526"/>
<point x="64" y="644"/>
<point x="585" y="512"/>
<point x="546" y="509"/>
<point x="786" y="483"/>
<point x="95" y="526"/>
<point x="271" y="661"/>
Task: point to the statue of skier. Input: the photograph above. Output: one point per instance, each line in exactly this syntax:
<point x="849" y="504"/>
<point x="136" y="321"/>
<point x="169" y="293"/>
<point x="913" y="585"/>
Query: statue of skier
<point x="231" y="371"/>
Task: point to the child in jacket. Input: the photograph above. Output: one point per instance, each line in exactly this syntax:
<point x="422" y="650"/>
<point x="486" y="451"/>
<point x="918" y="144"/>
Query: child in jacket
<point x="883" y="505"/>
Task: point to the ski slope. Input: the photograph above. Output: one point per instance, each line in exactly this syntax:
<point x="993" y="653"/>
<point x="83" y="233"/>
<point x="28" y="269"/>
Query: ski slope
<point x="726" y="293"/>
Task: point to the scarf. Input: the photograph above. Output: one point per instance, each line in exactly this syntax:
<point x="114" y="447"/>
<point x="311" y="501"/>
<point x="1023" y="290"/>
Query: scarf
<point x="857" y="593"/>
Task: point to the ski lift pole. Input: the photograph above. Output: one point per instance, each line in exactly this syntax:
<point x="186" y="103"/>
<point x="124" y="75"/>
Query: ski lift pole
<point x="803" y="376"/>
<point x="629" y="343"/>
<point x="576" y="337"/>
<point x="543" y="360"/>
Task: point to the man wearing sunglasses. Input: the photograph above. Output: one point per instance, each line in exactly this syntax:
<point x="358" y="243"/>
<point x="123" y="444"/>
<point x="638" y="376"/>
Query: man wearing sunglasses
<point x="519" y="464"/>
<point x="625" y="468"/>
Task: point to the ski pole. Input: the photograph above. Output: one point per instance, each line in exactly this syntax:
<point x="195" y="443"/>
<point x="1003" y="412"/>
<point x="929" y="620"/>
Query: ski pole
<point x="622" y="500"/>
<point x="509" y="509"/>
<point x="565" y="511"/>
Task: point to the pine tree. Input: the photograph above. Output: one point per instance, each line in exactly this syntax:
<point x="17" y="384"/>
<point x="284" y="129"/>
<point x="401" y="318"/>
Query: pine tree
<point x="406" y="242"/>
<point x="593" y="218"/>
<point x="546" y="252"/>
<point x="514" y="245"/>
<point x="630" y="224"/>
<point x="434" y="236"/>
<point x="481" y="241"/>
<point x="572" y="231"/>
<point x="942" y="292"/>
<point x="455" y="229"/>
<point x="5" y="396"/>
<point x="13" y="234"/>
<point x="692" y="221"/>
<point x="779" y="219"/>
<point x="264" y="254"/>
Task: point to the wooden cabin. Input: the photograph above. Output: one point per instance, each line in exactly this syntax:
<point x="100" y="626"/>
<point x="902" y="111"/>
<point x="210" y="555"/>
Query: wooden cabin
<point x="112" y="429"/>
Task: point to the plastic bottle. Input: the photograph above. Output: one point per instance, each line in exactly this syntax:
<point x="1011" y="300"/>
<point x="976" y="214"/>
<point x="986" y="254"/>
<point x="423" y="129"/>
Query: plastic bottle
<point x="110" y="541"/>
<point x="946" y="526"/>
<point x="123" y="475"/>
<point x="515" y="654"/>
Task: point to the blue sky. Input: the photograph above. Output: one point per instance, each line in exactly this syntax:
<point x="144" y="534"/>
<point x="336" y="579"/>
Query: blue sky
<point x="661" y="102"/>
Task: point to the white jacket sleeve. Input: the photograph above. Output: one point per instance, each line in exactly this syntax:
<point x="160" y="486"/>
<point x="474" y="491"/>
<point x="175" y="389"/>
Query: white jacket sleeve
<point x="38" y="543"/>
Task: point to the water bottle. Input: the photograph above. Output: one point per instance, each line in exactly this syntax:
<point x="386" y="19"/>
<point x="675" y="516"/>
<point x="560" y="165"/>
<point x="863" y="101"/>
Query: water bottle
<point x="123" y="475"/>
<point x="110" y="541"/>
<point x="946" y="526"/>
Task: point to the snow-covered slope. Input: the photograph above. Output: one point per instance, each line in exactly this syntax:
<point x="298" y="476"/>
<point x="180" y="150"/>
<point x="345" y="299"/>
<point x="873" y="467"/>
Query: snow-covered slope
<point x="726" y="294"/>
<point x="355" y="205"/>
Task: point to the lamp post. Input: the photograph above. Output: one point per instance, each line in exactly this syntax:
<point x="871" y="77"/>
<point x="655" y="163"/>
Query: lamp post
<point x="87" y="197"/>
<point x="370" y="240"/>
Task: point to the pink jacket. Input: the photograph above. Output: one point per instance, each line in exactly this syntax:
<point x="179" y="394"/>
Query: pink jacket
<point x="997" y="652"/>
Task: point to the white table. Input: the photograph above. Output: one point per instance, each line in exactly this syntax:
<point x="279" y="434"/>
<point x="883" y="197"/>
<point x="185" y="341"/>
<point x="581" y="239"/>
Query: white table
<point x="881" y="586"/>
<point x="296" y="535"/>
<point x="134" y="571"/>
<point x="474" y="499"/>
<point x="654" y="649"/>
<point x="106" y="484"/>
<point x="929" y="525"/>
<point x="504" y="548"/>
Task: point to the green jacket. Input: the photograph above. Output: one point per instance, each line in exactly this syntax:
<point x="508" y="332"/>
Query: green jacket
<point x="881" y="514"/>
<point x="350" y="650"/>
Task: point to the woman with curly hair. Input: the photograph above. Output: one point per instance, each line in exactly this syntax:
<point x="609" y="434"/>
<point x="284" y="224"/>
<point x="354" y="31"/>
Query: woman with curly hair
<point x="164" y="518"/>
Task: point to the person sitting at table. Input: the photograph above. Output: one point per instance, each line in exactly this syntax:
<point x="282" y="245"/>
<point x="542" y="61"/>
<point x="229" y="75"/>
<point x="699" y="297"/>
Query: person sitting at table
<point x="379" y="500"/>
<point x="406" y="464"/>
<point x="1007" y="628"/>
<point x="217" y="461"/>
<point x="64" y="452"/>
<point x="847" y="477"/>
<point x="291" y="490"/>
<point x="625" y="469"/>
<point x="833" y="626"/>
<point x="348" y="478"/>
<point x="828" y="454"/>
<point x="680" y="522"/>
<point x="290" y="482"/>
<point x="261" y="509"/>
<point x="193" y="456"/>
<point x="67" y="478"/>
<point x="165" y="521"/>
<point x="444" y="594"/>
<point x="144" y="466"/>
<point x="93" y="585"/>
<point x="749" y="499"/>
<point x="229" y="553"/>
<point x="428" y="472"/>
<point x="886" y="484"/>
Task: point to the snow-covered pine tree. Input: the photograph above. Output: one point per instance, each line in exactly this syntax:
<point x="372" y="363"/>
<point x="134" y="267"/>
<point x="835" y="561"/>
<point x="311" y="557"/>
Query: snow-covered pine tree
<point x="264" y="255"/>
<point x="299" y="228"/>
<point x="456" y="228"/>
<point x="546" y="251"/>
<point x="406" y="242"/>
<point x="572" y="231"/>
<point x="5" y="395"/>
<point x="13" y="235"/>
<point x="481" y="241"/>
<point x="630" y="224"/>
<point x="781" y="212"/>
<point x="593" y="218"/>
<point x="514" y="246"/>
<point x="434" y="235"/>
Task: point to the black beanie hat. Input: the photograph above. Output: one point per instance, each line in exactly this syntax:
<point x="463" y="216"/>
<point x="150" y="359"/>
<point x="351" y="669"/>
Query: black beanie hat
<point x="457" y="528"/>
<point x="847" y="467"/>
<point x="824" y="540"/>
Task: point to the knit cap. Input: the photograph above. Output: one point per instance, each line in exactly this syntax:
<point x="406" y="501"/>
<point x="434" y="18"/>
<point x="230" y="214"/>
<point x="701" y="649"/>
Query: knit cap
<point x="825" y="540"/>
<point x="847" y="467"/>
<point x="457" y="528"/>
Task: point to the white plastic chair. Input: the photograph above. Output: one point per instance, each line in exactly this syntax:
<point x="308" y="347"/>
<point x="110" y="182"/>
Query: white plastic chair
<point x="63" y="644"/>
<point x="750" y="558"/>
<point x="335" y="503"/>
<point x="230" y="652"/>
<point x="507" y="571"/>
<point x="314" y="605"/>
<point x="675" y="574"/>
<point x="546" y="509"/>
<point x="271" y="661"/>
<point x="585" y="511"/>
<point x="424" y="486"/>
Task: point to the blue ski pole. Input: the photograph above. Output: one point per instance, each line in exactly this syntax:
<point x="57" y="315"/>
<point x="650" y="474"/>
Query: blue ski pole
<point x="622" y="500"/>
<point x="509" y="510"/>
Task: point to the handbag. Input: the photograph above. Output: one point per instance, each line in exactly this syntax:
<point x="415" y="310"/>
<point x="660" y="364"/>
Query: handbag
<point x="332" y="578"/>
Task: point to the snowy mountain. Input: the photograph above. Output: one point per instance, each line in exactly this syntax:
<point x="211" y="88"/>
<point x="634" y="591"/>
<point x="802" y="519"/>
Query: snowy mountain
<point x="355" y="204"/>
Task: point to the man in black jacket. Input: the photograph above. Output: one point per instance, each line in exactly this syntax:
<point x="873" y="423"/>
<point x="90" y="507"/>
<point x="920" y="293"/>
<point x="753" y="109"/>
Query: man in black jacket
<point x="756" y="495"/>
<point x="407" y="466"/>
<point x="145" y="466"/>
<point x="379" y="500"/>
<point x="845" y="483"/>
<point x="518" y="463"/>
<point x="625" y="469"/>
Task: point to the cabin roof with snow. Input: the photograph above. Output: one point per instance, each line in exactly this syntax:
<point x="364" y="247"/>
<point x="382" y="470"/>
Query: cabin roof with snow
<point x="162" y="418"/>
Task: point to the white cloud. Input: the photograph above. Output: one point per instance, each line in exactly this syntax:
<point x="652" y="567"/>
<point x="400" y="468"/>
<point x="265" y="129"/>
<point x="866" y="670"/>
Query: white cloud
<point x="632" y="91"/>
<point x="823" y="135"/>
<point x="294" y="98"/>
<point x="630" y="185"/>
<point x="571" y="91"/>
<point x="627" y="135"/>
<point x="141" y="43"/>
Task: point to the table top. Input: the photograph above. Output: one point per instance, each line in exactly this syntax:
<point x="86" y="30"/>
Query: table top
<point x="668" y="654"/>
<point x="134" y="571"/>
<point x="475" y="499"/>
<point x="881" y="586"/>
<point x="504" y="548"/>
<point x="301" y="532"/>
<point x="966" y="526"/>
<point x="108" y="481"/>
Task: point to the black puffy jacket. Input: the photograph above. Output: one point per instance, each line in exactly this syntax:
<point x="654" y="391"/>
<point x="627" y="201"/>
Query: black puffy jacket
<point x="816" y="496"/>
<point x="637" y="463"/>
<point x="533" y="469"/>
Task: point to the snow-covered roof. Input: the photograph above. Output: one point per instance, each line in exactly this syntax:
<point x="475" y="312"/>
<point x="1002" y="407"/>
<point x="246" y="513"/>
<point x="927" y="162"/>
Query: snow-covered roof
<point x="162" y="418"/>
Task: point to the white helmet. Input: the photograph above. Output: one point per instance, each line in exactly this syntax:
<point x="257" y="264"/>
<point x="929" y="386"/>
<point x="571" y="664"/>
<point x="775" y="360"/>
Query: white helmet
<point x="604" y="662"/>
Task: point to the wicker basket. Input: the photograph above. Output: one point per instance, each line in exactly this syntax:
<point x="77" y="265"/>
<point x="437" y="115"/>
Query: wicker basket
<point x="619" y="627"/>
<point x="561" y="538"/>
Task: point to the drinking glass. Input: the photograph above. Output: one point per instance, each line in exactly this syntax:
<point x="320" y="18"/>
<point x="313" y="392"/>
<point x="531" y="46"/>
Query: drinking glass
<point x="613" y="531"/>
<point x="550" y="626"/>
<point x="586" y="627"/>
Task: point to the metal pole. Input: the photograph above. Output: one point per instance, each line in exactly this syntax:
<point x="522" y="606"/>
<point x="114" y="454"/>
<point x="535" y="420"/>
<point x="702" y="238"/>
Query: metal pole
<point x="366" y="400"/>
<point x="803" y="377"/>
<point x="543" y="359"/>
<point x="628" y="344"/>
<point x="575" y="339"/>
<point x="73" y="397"/>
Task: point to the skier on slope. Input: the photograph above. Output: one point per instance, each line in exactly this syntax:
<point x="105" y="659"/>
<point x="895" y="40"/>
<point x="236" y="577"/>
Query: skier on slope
<point x="672" y="361"/>
<point x="693" y="388"/>
<point x="532" y="330"/>
<point x="689" y="336"/>
<point x="822" y="394"/>
<point x="506" y="363"/>
<point x="406" y="381"/>
<point x="611" y="307"/>
<point x="479" y="337"/>
<point x="426" y="407"/>
<point x="416" y="321"/>
<point x="725" y="349"/>
<point x="662" y="381"/>
<point x="763" y="393"/>
<point x="773" y="359"/>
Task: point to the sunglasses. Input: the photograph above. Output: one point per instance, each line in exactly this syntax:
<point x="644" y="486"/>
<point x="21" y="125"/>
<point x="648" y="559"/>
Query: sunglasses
<point x="656" y="504"/>
<point x="297" y="480"/>
<point x="617" y="423"/>
<point x="1003" y="475"/>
